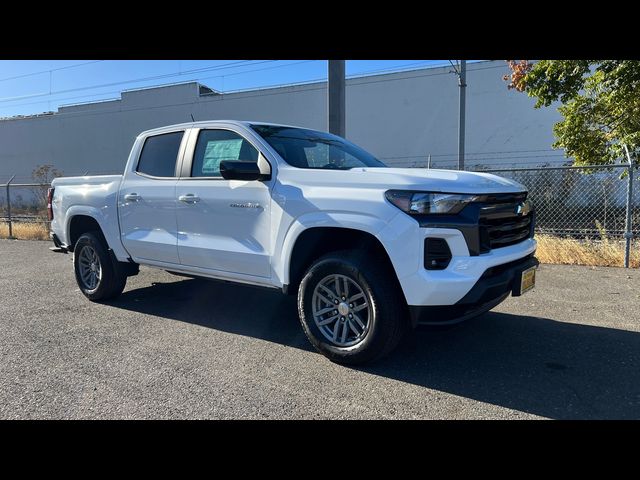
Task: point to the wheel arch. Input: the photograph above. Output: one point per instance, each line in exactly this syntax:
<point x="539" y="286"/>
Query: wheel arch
<point x="82" y="218"/>
<point x="312" y="243"/>
<point x="80" y="224"/>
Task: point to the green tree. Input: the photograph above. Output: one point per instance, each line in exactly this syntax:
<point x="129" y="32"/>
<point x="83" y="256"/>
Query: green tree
<point x="600" y="104"/>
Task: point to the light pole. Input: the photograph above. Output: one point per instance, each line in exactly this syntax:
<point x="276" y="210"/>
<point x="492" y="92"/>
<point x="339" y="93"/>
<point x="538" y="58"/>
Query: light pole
<point x="462" y="83"/>
<point x="461" y="72"/>
<point x="336" y="97"/>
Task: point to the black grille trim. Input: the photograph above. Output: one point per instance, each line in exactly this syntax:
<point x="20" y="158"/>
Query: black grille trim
<point x="501" y="226"/>
<point x="489" y="222"/>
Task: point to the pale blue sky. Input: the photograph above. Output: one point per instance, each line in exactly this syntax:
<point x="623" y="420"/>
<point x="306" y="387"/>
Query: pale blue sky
<point x="35" y="86"/>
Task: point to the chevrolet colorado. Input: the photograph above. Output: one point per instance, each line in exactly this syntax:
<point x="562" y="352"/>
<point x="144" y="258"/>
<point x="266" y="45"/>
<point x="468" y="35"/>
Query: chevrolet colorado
<point x="370" y="251"/>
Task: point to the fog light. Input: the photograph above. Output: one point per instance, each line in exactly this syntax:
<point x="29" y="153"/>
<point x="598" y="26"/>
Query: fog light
<point x="436" y="254"/>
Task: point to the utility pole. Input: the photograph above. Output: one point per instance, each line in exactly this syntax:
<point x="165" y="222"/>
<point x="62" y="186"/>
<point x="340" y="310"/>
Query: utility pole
<point x="336" y="98"/>
<point x="462" y="83"/>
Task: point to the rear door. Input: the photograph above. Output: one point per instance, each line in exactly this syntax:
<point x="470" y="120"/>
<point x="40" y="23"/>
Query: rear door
<point x="223" y="225"/>
<point x="147" y="200"/>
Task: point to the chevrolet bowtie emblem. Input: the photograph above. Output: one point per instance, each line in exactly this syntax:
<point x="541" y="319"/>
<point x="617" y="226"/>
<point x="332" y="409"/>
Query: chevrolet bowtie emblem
<point x="523" y="208"/>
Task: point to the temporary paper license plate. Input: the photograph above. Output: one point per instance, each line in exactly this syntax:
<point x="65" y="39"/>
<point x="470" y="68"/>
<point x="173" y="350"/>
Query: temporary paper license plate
<point x="527" y="280"/>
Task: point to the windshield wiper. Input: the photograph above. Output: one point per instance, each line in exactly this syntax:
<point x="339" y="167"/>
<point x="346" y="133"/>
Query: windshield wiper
<point x="334" y="167"/>
<point x="324" y="140"/>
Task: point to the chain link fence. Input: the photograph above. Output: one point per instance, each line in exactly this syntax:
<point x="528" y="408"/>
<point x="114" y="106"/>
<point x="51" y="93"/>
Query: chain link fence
<point x="23" y="207"/>
<point x="580" y="201"/>
<point x="583" y="203"/>
<point x="596" y="203"/>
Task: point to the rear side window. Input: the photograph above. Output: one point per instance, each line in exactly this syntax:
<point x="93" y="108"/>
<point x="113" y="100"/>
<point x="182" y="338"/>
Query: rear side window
<point x="159" y="155"/>
<point x="214" y="146"/>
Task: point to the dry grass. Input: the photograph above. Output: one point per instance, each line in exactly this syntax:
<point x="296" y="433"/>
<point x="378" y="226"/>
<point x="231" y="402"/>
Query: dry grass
<point x="26" y="231"/>
<point x="601" y="253"/>
<point x="564" y="251"/>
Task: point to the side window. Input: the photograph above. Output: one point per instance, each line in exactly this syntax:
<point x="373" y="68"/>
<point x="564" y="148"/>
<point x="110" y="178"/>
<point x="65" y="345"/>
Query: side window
<point x="159" y="155"/>
<point x="214" y="146"/>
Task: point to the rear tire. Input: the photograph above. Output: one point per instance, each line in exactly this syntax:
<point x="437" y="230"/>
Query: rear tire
<point x="98" y="274"/>
<point x="351" y="308"/>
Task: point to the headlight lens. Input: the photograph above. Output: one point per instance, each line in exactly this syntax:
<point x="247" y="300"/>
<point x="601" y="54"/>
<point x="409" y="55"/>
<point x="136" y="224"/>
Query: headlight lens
<point x="416" y="203"/>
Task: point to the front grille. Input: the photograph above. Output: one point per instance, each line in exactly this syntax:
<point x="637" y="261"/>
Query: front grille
<point x="500" y="223"/>
<point x="490" y="222"/>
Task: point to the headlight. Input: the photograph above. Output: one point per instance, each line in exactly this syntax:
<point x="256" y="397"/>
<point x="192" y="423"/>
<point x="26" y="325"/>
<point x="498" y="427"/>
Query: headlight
<point x="416" y="203"/>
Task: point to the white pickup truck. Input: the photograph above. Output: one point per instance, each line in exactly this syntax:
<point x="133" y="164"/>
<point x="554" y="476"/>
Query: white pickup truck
<point x="370" y="251"/>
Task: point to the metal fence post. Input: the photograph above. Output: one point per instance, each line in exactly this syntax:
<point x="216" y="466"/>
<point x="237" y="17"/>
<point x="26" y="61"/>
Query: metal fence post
<point x="9" y="207"/>
<point x="628" y="234"/>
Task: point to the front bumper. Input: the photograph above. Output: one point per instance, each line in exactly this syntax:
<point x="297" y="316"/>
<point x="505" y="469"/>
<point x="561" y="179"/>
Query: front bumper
<point x="495" y="284"/>
<point x="404" y="240"/>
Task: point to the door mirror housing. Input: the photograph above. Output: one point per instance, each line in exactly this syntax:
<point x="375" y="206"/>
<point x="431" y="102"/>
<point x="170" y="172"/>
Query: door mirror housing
<point x="241" y="170"/>
<point x="246" y="170"/>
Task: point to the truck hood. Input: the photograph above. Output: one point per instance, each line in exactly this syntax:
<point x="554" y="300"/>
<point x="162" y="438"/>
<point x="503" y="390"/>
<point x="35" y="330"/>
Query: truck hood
<point x="452" y="181"/>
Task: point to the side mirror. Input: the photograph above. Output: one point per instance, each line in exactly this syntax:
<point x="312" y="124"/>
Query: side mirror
<point x="239" y="170"/>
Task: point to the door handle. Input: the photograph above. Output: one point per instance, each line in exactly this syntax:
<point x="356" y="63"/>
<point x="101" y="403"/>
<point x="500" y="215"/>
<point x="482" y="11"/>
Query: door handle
<point x="189" y="198"/>
<point x="132" y="197"/>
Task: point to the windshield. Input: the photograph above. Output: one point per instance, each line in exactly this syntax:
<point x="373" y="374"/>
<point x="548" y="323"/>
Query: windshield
<point x="304" y="148"/>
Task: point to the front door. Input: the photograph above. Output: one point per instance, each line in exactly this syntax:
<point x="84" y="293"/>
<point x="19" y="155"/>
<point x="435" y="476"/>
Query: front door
<point x="147" y="201"/>
<point x="223" y="225"/>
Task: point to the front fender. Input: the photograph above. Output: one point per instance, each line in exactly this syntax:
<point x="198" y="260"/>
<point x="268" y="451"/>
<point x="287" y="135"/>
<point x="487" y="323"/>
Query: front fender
<point x="355" y="221"/>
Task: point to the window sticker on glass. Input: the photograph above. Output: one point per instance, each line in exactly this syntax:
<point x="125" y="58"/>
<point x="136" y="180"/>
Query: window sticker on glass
<point x="217" y="151"/>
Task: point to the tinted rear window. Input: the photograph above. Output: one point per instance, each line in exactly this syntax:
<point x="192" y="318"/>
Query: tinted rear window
<point x="159" y="155"/>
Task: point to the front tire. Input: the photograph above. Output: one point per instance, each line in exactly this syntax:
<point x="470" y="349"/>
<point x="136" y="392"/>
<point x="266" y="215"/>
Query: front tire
<point x="99" y="276"/>
<point x="351" y="308"/>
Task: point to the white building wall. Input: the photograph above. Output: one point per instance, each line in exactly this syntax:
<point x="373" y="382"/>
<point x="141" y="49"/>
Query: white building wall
<point x="400" y="117"/>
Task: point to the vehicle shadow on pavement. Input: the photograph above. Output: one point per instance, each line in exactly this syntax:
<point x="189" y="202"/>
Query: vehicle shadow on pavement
<point x="536" y="365"/>
<point x="232" y="308"/>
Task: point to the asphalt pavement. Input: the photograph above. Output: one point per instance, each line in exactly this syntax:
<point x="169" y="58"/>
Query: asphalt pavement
<point x="172" y="347"/>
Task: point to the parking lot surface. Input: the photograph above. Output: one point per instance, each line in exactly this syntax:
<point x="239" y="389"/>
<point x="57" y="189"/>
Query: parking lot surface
<point x="172" y="347"/>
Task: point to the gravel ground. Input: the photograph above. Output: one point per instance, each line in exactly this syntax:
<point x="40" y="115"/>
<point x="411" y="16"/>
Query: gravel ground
<point x="181" y="348"/>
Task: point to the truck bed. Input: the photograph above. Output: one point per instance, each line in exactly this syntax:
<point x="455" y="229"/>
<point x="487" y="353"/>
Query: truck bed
<point x="87" y="180"/>
<point x="94" y="196"/>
